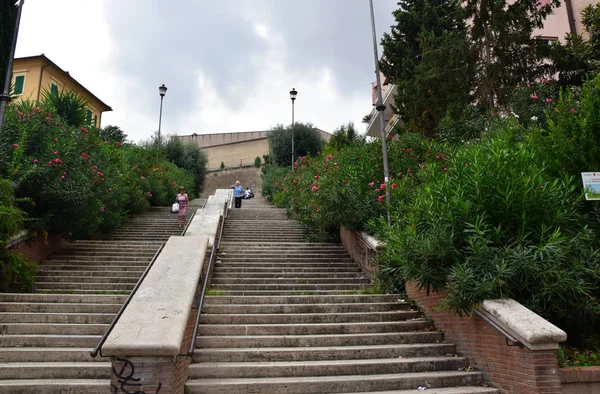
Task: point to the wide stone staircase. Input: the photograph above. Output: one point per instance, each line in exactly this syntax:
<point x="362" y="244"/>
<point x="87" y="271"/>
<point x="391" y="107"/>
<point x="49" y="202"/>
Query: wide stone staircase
<point x="46" y="337"/>
<point x="286" y="316"/>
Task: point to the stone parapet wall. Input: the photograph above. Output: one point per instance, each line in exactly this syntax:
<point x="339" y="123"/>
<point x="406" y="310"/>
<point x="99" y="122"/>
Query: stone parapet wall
<point x="360" y="251"/>
<point x="37" y="247"/>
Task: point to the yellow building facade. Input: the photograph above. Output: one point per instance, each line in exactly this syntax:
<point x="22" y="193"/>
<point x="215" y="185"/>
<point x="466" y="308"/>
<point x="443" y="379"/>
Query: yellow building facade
<point x="32" y="75"/>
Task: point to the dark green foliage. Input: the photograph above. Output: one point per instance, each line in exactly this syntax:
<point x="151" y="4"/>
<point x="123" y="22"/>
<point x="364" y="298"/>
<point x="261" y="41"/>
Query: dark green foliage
<point x="71" y="107"/>
<point x="495" y="225"/>
<point x="271" y="179"/>
<point x="112" y="134"/>
<point x="222" y="165"/>
<point x="427" y="57"/>
<point x="345" y="135"/>
<point x="257" y="162"/>
<point x="579" y="59"/>
<point x="532" y="101"/>
<point x="506" y="52"/>
<point x="572" y="141"/>
<point x="470" y="124"/>
<point x="11" y="217"/>
<point x="189" y="157"/>
<point x="17" y="274"/>
<point x="307" y="141"/>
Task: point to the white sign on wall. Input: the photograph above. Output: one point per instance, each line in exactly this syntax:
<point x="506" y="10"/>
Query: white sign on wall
<point x="591" y="184"/>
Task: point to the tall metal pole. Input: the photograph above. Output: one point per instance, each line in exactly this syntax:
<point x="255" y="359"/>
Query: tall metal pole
<point x="293" y="134"/>
<point x="380" y="107"/>
<point x="159" y="122"/>
<point x="5" y="96"/>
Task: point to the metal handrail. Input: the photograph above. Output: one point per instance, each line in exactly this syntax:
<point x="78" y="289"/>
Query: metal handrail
<point x="192" y="348"/>
<point x="188" y="223"/>
<point x="369" y="246"/>
<point x="502" y="331"/>
<point x="98" y="347"/>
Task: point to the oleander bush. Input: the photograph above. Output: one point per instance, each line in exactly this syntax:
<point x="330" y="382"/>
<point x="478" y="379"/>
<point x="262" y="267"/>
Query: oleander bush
<point x="498" y="224"/>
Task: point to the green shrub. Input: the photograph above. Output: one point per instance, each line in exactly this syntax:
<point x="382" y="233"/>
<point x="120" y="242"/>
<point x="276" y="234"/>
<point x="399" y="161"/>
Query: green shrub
<point x="495" y="225"/>
<point x="190" y="157"/>
<point x="471" y="125"/>
<point x="531" y="102"/>
<point x="257" y="162"/>
<point x="17" y="274"/>
<point x="222" y="165"/>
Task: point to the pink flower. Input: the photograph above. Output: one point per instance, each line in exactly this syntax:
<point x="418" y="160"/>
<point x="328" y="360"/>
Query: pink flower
<point x="377" y="190"/>
<point x="174" y="182"/>
<point x="110" y="189"/>
<point x="117" y="143"/>
<point x="318" y="210"/>
<point x="95" y="167"/>
<point x="572" y="110"/>
<point x="143" y="178"/>
<point x="372" y="183"/>
<point x="149" y="194"/>
<point x="541" y="186"/>
<point x="329" y="157"/>
<point x="394" y="186"/>
<point x="101" y="209"/>
<point x="56" y="140"/>
<point x="548" y="100"/>
<point x="100" y="173"/>
<point x="55" y="153"/>
<point x="83" y="155"/>
<point x="83" y="130"/>
<point x="344" y="181"/>
<point x="314" y="187"/>
<point x="65" y="173"/>
<point x="445" y="169"/>
<point x="534" y="97"/>
<point x="382" y="186"/>
<point x="317" y="177"/>
<point x="15" y="146"/>
<point x="380" y="198"/>
<point x="36" y="160"/>
<point x="62" y="176"/>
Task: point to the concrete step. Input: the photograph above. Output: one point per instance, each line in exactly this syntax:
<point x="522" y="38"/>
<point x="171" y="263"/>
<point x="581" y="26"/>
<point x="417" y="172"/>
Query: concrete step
<point x="63" y="318"/>
<point x="276" y="354"/>
<point x="58" y="307"/>
<point x="55" y="386"/>
<point x="313" y="329"/>
<point x="50" y="329"/>
<point x="243" y="280"/>
<point x="253" y="293"/>
<point x="318" y="340"/>
<point x="88" y="279"/>
<point x="441" y="390"/>
<point x="92" y="265"/>
<point x="283" y="266"/>
<point x="85" y="286"/>
<point x="55" y="370"/>
<point x="307" y="299"/>
<point x="225" y="269"/>
<point x="325" y="367"/>
<point x="289" y="287"/>
<point x="45" y="354"/>
<point x="62" y="298"/>
<point x="42" y="273"/>
<point x="51" y="341"/>
<point x="211" y="308"/>
<point x="113" y="257"/>
<point x="332" y="384"/>
<point x="308" y="318"/>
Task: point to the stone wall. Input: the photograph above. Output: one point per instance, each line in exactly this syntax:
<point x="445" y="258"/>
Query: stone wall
<point x="37" y="247"/>
<point x="580" y="380"/>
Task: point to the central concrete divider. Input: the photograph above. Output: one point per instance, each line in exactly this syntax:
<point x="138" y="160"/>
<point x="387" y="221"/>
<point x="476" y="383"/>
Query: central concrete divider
<point x="148" y="344"/>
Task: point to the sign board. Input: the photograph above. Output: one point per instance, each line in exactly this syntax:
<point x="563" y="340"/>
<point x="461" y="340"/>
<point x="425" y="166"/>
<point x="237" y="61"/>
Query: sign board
<point x="591" y="184"/>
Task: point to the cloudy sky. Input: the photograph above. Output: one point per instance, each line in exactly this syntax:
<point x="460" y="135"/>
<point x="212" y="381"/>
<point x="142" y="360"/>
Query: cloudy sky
<point x="229" y="65"/>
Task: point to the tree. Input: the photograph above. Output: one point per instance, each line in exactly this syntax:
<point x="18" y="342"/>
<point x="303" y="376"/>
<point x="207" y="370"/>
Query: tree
<point x="427" y="57"/>
<point x="257" y="162"/>
<point x="112" y="133"/>
<point x="188" y="156"/>
<point x="8" y="18"/>
<point x="345" y="135"/>
<point x="307" y="141"/>
<point x="505" y="50"/>
<point x="579" y="59"/>
<point x="71" y="107"/>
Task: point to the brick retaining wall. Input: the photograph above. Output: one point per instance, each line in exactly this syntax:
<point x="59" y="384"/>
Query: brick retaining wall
<point x="580" y="380"/>
<point x="39" y="247"/>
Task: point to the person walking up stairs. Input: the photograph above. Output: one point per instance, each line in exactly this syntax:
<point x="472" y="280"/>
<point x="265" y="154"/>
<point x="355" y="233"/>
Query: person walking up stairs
<point x="287" y="316"/>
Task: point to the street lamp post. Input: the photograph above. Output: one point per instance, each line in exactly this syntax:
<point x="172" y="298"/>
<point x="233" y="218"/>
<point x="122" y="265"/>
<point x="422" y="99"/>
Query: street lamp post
<point x="162" y="90"/>
<point x="293" y="94"/>
<point x="5" y="95"/>
<point x="381" y="107"/>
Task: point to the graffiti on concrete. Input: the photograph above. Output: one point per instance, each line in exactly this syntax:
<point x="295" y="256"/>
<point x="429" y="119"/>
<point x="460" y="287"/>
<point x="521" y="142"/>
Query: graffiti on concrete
<point x="127" y="381"/>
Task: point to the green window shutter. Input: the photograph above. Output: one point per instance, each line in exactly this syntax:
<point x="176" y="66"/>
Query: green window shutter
<point x="19" y="84"/>
<point x="88" y="117"/>
<point x="95" y="120"/>
<point x="54" y="89"/>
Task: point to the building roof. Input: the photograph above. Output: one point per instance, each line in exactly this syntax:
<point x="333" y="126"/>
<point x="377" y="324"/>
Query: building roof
<point x="66" y="75"/>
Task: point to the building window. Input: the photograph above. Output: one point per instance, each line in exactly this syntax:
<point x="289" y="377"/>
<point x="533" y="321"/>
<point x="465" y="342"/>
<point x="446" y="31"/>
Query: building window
<point x="53" y="88"/>
<point x="88" y="117"/>
<point x="19" y="84"/>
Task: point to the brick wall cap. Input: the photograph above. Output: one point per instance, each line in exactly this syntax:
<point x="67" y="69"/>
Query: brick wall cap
<point x="154" y="322"/>
<point x="205" y="224"/>
<point x="530" y="329"/>
<point x="21" y="236"/>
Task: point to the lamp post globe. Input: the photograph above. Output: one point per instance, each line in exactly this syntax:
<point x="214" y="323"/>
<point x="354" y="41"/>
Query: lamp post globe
<point x="162" y="90"/>
<point x="293" y="94"/>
